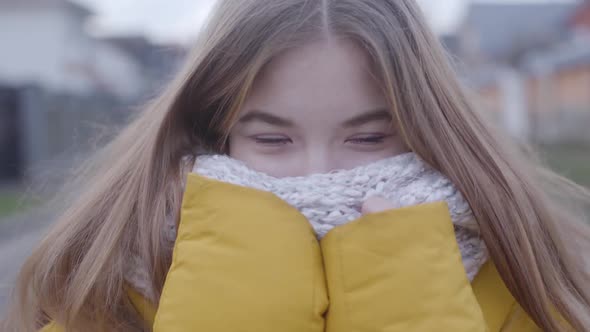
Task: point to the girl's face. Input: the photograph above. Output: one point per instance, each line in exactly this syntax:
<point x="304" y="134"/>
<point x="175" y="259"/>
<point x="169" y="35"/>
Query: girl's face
<point x="314" y="109"/>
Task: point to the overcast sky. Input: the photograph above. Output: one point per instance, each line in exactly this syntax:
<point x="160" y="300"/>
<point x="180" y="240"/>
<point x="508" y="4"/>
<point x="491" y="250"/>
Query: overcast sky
<point x="179" y="20"/>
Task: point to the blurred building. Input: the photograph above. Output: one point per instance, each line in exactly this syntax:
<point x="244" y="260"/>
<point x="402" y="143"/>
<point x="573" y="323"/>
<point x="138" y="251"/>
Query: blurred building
<point x="45" y="42"/>
<point x="505" y="32"/>
<point x="530" y="65"/>
<point x="159" y="62"/>
<point x="580" y="21"/>
<point x="57" y="81"/>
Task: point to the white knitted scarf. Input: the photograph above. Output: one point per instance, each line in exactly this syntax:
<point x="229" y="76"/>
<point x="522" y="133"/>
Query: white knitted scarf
<point x="335" y="198"/>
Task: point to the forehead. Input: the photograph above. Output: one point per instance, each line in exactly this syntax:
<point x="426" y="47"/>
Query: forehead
<point x="322" y="79"/>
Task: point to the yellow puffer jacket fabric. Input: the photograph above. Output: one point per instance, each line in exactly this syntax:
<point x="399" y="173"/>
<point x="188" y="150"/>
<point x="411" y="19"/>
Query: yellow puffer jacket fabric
<point x="244" y="260"/>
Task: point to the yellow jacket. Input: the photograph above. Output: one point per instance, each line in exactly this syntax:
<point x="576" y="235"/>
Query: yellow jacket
<point x="244" y="260"/>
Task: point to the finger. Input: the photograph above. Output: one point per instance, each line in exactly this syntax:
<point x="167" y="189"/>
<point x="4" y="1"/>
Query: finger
<point x="376" y="204"/>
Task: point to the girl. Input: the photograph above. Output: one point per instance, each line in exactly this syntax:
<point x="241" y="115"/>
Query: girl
<point x="277" y="95"/>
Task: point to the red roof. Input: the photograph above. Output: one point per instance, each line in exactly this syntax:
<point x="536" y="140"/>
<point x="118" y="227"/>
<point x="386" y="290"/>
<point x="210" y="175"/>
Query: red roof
<point x="581" y="16"/>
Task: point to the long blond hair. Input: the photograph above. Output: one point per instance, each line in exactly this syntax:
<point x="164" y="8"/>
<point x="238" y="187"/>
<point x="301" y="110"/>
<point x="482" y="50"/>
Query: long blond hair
<point x="125" y="193"/>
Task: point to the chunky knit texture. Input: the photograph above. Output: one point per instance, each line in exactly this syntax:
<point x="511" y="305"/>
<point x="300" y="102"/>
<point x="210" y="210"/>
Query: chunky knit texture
<point x="335" y="198"/>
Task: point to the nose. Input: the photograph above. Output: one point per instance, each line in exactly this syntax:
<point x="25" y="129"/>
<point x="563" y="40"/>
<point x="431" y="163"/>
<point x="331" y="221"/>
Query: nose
<point x="318" y="161"/>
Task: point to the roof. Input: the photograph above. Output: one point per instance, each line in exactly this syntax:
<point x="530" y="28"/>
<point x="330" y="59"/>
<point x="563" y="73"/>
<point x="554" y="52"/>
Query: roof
<point x="75" y="6"/>
<point x="569" y="55"/>
<point x="581" y="14"/>
<point x="500" y="27"/>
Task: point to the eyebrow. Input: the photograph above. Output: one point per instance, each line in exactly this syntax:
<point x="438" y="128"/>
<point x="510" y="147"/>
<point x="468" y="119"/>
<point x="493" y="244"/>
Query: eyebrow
<point x="359" y="120"/>
<point x="271" y="119"/>
<point x="370" y="116"/>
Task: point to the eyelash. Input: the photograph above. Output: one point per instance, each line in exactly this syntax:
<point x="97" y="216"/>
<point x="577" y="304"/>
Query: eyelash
<point x="368" y="139"/>
<point x="272" y="141"/>
<point x="363" y="140"/>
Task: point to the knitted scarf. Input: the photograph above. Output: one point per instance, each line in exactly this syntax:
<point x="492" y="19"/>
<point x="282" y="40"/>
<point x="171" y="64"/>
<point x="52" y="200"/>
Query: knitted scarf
<point x="335" y="198"/>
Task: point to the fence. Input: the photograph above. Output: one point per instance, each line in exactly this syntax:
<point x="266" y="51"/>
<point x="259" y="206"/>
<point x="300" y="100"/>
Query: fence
<point x="11" y="157"/>
<point x="551" y="110"/>
<point x="562" y="126"/>
<point x="38" y="127"/>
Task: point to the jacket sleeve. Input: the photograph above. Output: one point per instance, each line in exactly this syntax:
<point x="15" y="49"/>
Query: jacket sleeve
<point x="399" y="270"/>
<point x="244" y="260"/>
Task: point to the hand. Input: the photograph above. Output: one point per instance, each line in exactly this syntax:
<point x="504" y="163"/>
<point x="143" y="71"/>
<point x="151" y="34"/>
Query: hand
<point x="376" y="204"/>
<point x="424" y="185"/>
